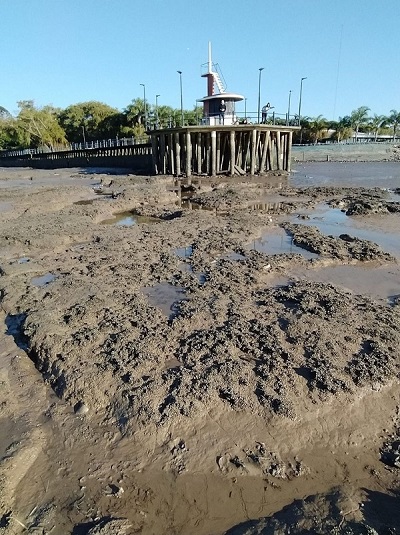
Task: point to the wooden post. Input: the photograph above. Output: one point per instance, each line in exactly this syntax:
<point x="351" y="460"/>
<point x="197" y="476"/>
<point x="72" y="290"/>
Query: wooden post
<point x="162" y="154"/>
<point x="253" y="151"/>
<point x="199" y="153"/>
<point x="154" y="154"/>
<point x="289" y="164"/>
<point x="188" y="157"/>
<point x="177" y="155"/>
<point x="218" y="157"/>
<point x="213" y="153"/>
<point x="278" y="151"/>
<point x="264" y="152"/>
<point x="232" y="152"/>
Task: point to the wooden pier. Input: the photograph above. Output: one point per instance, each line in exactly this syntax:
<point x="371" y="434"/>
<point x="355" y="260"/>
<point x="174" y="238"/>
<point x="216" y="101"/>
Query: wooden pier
<point x="223" y="149"/>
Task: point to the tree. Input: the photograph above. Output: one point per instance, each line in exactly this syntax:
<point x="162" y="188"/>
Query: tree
<point x="358" y="118"/>
<point x="135" y="112"/>
<point x="86" y="120"/>
<point x="4" y="114"/>
<point x="342" y="129"/>
<point x="375" y="123"/>
<point x="317" y="128"/>
<point x="394" y="121"/>
<point x="38" y="127"/>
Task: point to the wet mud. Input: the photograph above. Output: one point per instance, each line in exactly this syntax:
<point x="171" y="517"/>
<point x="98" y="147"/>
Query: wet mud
<point x="225" y="366"/>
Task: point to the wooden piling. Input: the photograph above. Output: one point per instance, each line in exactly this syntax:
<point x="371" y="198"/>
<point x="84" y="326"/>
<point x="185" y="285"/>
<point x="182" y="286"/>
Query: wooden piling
<point x="234" y="150"/>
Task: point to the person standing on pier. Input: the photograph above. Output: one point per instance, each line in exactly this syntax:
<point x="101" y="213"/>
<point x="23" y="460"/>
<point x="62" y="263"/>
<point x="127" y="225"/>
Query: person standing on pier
<point x="264" y="112"/>
<point x="222" y="110"/>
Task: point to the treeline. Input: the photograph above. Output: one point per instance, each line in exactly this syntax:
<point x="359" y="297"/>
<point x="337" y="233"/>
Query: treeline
<point x="314" y="130"/>
<point x="51" y="128"/>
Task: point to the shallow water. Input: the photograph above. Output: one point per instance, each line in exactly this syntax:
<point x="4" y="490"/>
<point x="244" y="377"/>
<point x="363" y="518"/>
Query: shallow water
<point x="43" y="279"/>
<point x="357" y="174"/>
<point x="165" y="296"/>
<point x="333" y="222"/>
<point x="277" y="241"/>
<point x="378" y="282"/>
<point x="128" y="219"/>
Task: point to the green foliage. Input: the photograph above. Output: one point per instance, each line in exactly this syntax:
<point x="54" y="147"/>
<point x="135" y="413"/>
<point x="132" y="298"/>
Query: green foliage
<point x="38" y="127"/>
<point x="394" y="121"/>
<point x="359" y="118"/>
<point x="92" y="118"/>
<point x="317" y="128"/>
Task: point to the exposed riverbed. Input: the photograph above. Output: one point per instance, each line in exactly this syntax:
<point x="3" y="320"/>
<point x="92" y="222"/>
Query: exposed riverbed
<point x="217" y="358"/>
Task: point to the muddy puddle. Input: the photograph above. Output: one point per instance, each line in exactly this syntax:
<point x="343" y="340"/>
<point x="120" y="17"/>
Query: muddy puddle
<point x="276" y="241"/>
<point x="166" y="297"/>
<point x="379" y="282"/>
<point x="334" y="222"/>
<point x="128" y="219"/>
<point x="43" y="280"/>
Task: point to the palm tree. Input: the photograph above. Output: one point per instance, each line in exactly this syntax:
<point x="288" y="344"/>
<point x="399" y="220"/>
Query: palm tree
<point x="135" y="112"/>
<point x="317" y="128"/>
<point x="394" y="121"/>
<point x="375" y="123"/>
<point x="358" y="118"/>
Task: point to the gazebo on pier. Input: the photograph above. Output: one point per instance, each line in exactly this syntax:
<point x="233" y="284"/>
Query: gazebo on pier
<point x="221" y="145"/>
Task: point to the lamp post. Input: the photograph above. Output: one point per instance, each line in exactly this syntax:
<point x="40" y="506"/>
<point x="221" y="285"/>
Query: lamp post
<point x="180" y="82"/>
<point x="259" y="92"/>
<point x="288" y="109"/>
<point x="245" y="108"/>
<point x="157" y="110"/>
<point x="145" y="107"/>
<point x="301" y="92"/>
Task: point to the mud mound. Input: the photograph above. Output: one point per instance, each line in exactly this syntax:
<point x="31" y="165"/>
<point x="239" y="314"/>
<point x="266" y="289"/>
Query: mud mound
<point x="217" y="353"/>
<point x="344" y="247"/>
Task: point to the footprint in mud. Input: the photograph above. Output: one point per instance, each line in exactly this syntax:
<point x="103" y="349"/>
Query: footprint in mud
<point x="228" y="463"/>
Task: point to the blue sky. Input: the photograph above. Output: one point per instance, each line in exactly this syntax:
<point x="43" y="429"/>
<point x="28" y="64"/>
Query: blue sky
<point x="62" y="52"/>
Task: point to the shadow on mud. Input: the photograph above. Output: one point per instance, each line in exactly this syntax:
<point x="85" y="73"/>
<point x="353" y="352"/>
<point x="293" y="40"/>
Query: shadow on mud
<point x="15" y="328"/>
<point x="323" y="514"/>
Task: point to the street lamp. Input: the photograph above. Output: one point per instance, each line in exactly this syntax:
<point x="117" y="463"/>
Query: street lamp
<point x="157" y="110"/>
<point x="145" y="108"/>
<point x="259" y="91"/>
<point x="180" y="81"/>
<point x="245" y="108"/>
<point x="301" y="91"/>
<point x="288" y="108"/>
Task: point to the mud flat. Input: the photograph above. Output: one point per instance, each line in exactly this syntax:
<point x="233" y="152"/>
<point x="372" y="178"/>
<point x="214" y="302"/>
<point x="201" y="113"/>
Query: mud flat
<point x="221" y="357"/>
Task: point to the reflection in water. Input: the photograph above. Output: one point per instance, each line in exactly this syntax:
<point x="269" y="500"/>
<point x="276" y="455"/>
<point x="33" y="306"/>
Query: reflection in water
<point x="128" y="219"/>
<point x="277" y="241"/>
<point x="166" y="297"/>
<point x="265" y="206"/>
<point x="332" y="221"/>
<point x="379" y="282"/>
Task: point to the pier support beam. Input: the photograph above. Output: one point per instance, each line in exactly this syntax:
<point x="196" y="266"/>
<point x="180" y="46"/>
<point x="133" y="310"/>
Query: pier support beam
<point x="232" y="150"/>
